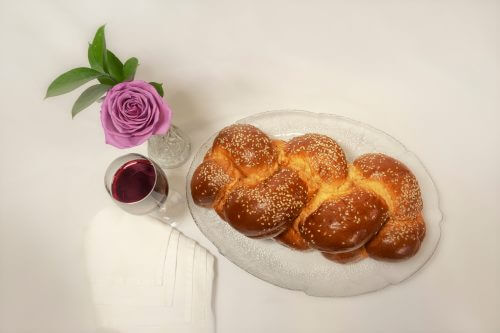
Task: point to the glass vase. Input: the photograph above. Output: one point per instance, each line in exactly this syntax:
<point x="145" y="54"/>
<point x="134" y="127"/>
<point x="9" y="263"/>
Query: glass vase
<point x="170" y="150"/>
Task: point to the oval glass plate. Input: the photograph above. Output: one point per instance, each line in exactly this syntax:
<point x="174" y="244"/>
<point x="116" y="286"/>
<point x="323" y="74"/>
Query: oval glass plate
<point x="310" y="271"/>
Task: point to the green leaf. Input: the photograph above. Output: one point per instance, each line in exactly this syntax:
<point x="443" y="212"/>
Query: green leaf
<point x="97" y="51"/>
<point x="89" y="96"/>
<point x="106" y="79"/>
<point x="71" y="80"/>
<point x="92" y="61"/>
<point x="129" y="69"/>
<point x="115" y="66"/>
<point x="158" y="87"/>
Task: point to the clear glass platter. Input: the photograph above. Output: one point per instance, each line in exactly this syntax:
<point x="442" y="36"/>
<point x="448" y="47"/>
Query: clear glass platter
<point x="310" y="272"/>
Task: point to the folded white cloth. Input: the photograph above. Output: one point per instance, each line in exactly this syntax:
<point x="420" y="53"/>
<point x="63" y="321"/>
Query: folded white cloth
<point x="146" y="276"/>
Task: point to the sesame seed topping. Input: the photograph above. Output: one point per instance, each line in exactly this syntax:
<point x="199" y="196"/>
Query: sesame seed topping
<point x="264" y="185"/>
<point x="247" y="146"/>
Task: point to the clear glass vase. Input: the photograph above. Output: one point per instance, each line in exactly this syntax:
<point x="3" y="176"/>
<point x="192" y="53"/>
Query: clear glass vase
<point x="170" y="150"/>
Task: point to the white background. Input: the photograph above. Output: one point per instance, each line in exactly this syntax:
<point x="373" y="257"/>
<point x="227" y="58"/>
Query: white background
<point x="425" y="72"/>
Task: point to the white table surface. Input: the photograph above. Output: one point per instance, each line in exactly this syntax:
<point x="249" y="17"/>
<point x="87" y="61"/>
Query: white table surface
<point x="425" y="72"/>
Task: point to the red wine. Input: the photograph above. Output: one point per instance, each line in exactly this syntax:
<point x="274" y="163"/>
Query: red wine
<point x="133" y="181"/>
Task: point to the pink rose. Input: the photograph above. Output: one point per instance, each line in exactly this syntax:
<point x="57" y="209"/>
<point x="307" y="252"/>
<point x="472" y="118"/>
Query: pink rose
<point x="132" y="112"/>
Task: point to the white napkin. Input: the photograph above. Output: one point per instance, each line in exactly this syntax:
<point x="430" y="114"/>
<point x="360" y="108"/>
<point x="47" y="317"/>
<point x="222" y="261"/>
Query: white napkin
<point x="147" y="277"/>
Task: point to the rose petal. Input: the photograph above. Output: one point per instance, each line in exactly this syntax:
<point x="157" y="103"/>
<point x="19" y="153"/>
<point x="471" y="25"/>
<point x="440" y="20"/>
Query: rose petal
<point x="132" y="112"/>
<point x="125" y="141"/>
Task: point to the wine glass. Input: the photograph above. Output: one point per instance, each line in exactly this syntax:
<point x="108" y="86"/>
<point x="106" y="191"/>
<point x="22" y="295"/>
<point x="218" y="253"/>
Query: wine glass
<point x="139" y="186"/>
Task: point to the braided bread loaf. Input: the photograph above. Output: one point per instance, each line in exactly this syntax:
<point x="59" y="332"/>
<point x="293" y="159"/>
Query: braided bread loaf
<point x="305" y="195"/>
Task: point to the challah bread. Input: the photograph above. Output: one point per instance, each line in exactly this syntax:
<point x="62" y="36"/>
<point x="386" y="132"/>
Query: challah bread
<point x="321" y="163"/>
<point x="401" y="236"/>
<point x="292" y="238"/>
<point x="391" y="180"/>
<point x="396" y="186"/>
<point x="252" y="195"/>
<point x="250" y="150"/>
<point x="210" y="178"/>
<point x="318" y="159"/>
<point x="267" y="208"/>
<point x="345" y="222"/>
<point x="398" y="239"/>
<point x="304" y="193"/>
<point x="237" y="151"/>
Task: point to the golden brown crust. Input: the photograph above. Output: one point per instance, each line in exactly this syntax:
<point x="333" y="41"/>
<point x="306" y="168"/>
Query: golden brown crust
<point x="292" y="238"/>
<point x="319" y="157"/>
<point x="279" y="146"/>
<point x="209" y="178"/>
<point x="345" y="223"/>
<point x="347" y="257"/>
<point x="404" y="198"/>
<point x="303" y="193"/>
<point x="248" y="148"/>
<point x="270" y="205"/>
<point x="398" y="239"/>
<point x="401" y="236"/>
